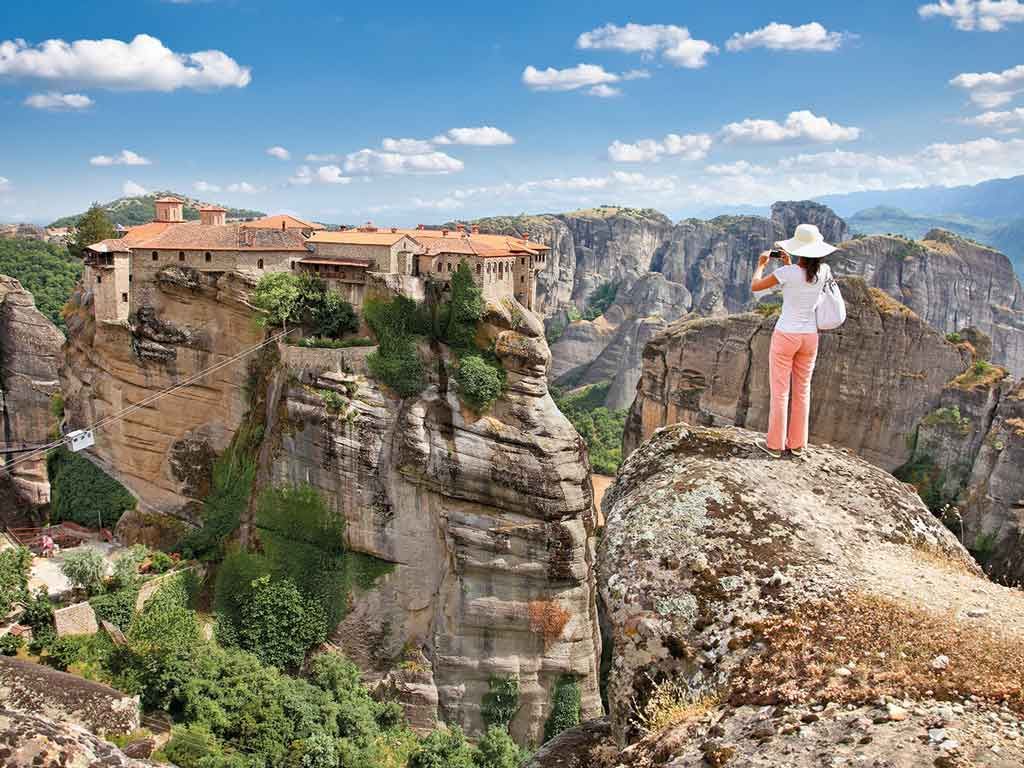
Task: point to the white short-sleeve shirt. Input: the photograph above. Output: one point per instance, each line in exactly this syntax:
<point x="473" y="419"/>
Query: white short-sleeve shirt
<point x="799" y="298"/>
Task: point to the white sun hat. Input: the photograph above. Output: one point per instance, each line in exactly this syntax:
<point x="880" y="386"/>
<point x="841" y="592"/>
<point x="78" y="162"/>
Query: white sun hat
<point x="807" y="242"/>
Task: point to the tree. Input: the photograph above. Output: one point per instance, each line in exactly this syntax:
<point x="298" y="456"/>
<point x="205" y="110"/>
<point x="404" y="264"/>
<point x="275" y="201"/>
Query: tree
<point x="332" y="316"/>
<point x="466" y="307"/>
<point x="15" y="564"/>
<point x="444" y="748"/>
<point x="279" y="295"/>
<point x="565" y="707"/>
<point x="497" y="750"/>
<point x="85" y="569"/>
<point x="479" y="382"/>
<point x="278" y="624"/>
<point x="91" y="228"/>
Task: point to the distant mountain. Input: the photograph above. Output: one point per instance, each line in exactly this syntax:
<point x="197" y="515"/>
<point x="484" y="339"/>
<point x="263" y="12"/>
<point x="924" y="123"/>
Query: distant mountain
<point x="139" y="209"/>
<point x="995" y="199"/>
<point x="1003" y="235"/>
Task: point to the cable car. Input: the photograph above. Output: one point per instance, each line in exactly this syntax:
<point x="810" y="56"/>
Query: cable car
<point x="80" y="439"/>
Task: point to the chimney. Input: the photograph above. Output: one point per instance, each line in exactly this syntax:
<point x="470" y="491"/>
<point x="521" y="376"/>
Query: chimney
<point x="460" y="227"/>
<point x="283" y="227"/>
<point x="168" y="209"/>
<point x="444" y="233"/>
<point x="212" y="215"/>
<point x="476" y="230"/>
<point x="420" y="226"/>
<point x="394" y="230"/>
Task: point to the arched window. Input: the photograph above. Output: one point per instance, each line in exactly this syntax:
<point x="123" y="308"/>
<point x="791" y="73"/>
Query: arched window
<point x="259" y="264"/>
<point x="99" y="278"/>
<point x="478" y="267"/>
<point x="155" y="257"/>
<point x="209" y="257"/>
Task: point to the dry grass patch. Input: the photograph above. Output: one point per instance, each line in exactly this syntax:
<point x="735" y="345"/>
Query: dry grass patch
<point x="981" y="374"/>
<point x="887" y="305"/>
<point x="671" y="704"/>
<point x="547" y="619"/>
<point x="937" y="558"/>
<point x="1017" y="425"/>
<point x="888" y="648"/>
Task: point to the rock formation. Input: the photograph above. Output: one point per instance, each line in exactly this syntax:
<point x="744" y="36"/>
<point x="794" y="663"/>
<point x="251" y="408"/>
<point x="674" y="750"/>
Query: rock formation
<point x="489" y="520"/>
<point x="793" y="613"/>
<point x="30" y="353"/>
<point x="874" y="380"/>
<point x="28" y="741"/>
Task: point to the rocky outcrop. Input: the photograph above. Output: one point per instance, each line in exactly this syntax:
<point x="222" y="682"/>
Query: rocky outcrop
<point x="755" y="608"/>
<point x="786" y="216"/>
<point x="30" y="353"/>
<point x="28" y="740"/>
<point x="875" y="378"/>
<point x="488" y="519"/>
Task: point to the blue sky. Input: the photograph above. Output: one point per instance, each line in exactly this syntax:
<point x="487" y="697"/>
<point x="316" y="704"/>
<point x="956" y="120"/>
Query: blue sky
<point x="685" y="106"/>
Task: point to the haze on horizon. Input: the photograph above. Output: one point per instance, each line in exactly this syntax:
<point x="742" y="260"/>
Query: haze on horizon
<point x="398" y="115"/>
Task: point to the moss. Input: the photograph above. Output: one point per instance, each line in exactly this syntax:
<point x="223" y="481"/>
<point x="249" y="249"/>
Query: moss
<point x="948" y="417"/>
<point x="768" y="309"/>
<point x="365" y="570"/>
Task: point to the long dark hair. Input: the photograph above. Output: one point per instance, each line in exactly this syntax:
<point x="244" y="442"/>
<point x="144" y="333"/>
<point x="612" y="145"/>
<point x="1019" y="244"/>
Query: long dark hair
<point x="811" y="267"/>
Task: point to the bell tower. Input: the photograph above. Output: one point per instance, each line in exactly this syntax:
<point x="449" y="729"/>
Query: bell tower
<point x="169" y="209"/>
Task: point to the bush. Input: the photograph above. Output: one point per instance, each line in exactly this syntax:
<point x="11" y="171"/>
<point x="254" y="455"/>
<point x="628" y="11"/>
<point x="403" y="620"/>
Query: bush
<point x="38" y="613"/>
<point x="497" y="750"/>
<point x="15" y="566"/>
<point x="64" y="651"/>
<point x="116" y="607"/>
<point x="599" y="427"/>
<point x="85" y="568"/>
<point x="319" y="342"/>
<point x="10" y="645"/>
<point x="500" y="703"/>
<point x="278" y="624"/>
<point x="160" y="562"/>
<point x="600" y="300"/>
<point x="126" y="567"/>
<point x="444" y="748"/>
<point x="565" y="707"/>
<point x="395" y="363"/>
<point x="234" y="580"/>
<point x="479" y="382"/>
<point x="82" y="493"/>
<point x="332" y="316"/>
<point x="465" y="308"/>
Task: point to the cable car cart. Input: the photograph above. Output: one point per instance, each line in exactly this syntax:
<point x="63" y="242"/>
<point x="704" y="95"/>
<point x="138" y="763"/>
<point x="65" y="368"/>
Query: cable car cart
<point x="80" y="439"/>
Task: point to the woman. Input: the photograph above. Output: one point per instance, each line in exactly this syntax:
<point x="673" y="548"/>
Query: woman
<point x="795" y="340"/>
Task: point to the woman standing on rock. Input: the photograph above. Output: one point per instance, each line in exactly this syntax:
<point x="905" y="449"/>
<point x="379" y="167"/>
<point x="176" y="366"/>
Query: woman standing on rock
<point x="795" y="340"/>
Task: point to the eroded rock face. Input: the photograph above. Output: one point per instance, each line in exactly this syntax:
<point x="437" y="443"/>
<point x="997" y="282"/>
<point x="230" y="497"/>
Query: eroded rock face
<point x="790" y="214"/>
<point x="30" y="354"/>
<point x="875" y="377"/>
<point x="755" y="588"/>
<point x="28" y="740"/>
<point x="486" y="517"/>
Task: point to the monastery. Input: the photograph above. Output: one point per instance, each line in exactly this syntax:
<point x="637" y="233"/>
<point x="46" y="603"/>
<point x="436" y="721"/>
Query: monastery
<point x="122" y="271"/>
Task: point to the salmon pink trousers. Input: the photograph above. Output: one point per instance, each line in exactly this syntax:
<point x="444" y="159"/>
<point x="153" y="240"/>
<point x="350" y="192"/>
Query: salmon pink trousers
<point x="791" y="357"/>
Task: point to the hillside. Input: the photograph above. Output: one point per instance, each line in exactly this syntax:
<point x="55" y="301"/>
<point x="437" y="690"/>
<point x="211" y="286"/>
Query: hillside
<point x="139" y="209"/>
<point x="995" y="199"/>
<point x="45" y="270"/>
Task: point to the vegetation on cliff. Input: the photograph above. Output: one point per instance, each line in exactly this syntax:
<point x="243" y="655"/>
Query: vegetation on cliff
<point x="15" y="563"/>
<point x="45" y="270"/>
<point x="599" y="427"/>
<point x="289" y="299"/>
<point x="83" y="493"/>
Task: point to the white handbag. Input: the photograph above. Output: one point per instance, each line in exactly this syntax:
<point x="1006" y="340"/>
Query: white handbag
<point x="830" y="311"/>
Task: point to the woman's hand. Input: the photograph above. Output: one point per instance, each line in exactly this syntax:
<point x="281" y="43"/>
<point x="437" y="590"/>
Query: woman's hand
<point x="786" y="259"/>
<point x="762" y="260"/>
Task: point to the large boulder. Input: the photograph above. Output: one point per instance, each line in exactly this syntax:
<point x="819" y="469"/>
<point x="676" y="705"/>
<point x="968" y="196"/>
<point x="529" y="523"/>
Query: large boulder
<point x="28" y="740"/>
<point x="799" y="613"/>
<point x="875" y="377"/>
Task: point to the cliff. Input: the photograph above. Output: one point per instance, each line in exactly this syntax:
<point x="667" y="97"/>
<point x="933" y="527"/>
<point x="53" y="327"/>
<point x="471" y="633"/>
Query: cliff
<point x="485" y="522"/>
<point x="30" y="353"/>
<point x="30" y="741"/>
<point x="876" y="377"/>
<point x="794" y="613"/>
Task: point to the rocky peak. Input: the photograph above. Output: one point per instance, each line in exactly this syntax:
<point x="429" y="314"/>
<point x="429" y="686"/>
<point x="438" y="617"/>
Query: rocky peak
<point x="787" y="215"/>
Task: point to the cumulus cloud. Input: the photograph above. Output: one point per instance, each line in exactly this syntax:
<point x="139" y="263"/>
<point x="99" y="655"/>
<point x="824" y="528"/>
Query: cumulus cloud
<point x="1004" y="122"/>
<point x="784" y="37"/>
<point x="406" y="146"/>
<point x="131" y="189"/>
<point x="482" y="136"/>
<point x="372" y="162"/>
<point x="324" y="158"/>
<point x="205" y="186"/>
<point x="672" y="43"/>
<point x="969" y="15"/>
<point x="690" y="146"/>
<point x="143" y="64"/>
<point x="55" y="101"/>
<point x="125" y="157"/>
<point x="570" y="79"/>
<point x="245" y="188"/>
<point x="738" y="168"/>
<point x="991" y="89"/>
<point x="279" y="152"/>
<point x="325" y="174"/>
<point x="802" y="125"/>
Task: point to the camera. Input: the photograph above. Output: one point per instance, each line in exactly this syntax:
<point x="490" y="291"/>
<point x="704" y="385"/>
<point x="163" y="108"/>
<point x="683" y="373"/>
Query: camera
<point x="775" y="254"/>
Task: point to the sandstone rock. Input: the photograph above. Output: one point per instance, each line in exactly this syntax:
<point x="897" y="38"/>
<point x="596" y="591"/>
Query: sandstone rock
<point x="30" y="354"/>
<point x="786" y="216"/>
<point x="876" y="377"/>
<point x="579" y="747"/>
<point x="67" y="698"/>
<point x="28" y="740"/>
<point x="864" y="558"/>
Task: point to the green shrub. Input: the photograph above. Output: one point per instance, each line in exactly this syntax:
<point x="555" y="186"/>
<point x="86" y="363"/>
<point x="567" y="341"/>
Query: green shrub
<point x="480" y="383"/>
<point x="82" y="493"/>
<point x="126" y="567"/>
<point x="332" y="316"/>
<point x="116" y="607"/>
<point x="501" y="702"/>
<point x="319" y="342"/>
<point x="600" y="300"/>
<point x="85" y="569"/>
<point x="954" y="337"/>
<point x="160" y="562"/>
<point x="497" y="750"/>
<point x="600" y="427"/>
<point x="465" y="308"/>
<point x="11" y="644"/>
<point x="64" y="651"/>
<point x="235" y="576"/>
<point x="15" y="566"/>
<point x="38" y="613"/>
<point x="400" y="369"/>
<point x="278" y="624"/>
<point x="565" y="707"/>
<point x="443" y="748"/>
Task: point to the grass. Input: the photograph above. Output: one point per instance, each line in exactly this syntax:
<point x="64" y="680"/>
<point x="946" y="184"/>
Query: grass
<point x="888" y="647"/>
<point x="670" y="704"/>
<point x="768" y="309"/>
<point x="981" y="374"/>
<point x="318" y="342"/>
<point x="949" y="417"/>
<point x="887" y="305"/>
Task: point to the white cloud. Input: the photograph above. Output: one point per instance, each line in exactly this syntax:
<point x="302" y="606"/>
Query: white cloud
<point x="738" y="168"/>
<point x="603" y="91"/>
<point x="674" y="44"/>
<point x="803" y="125"/>
<point x="245" y="188"/>
<point x="205" y="186"/>
<point x="1004" y="122"/>
<point x="126" y="157"/>
<point x="784" y="37"/>
<point x="131" y="189"/>
<point x="991" y="89"/>
<point x="144" y="64"/>
<point x="5" y="183"/>
<point x="969" y="15"/>
<point x="406" y="146"/>
<point x="56" y="101"/>
<point x="326" y="158"/>
<point x="279" y="152"/>
<point x="570" y="79"/>
<point x="325" y="174"/>
<point x="482" y="136"/>
<point x="690" y="146"/>
<point x="371" y="161"/>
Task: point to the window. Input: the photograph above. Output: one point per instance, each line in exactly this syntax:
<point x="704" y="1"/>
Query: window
<point x="99" y="278"/>
<point x="181" y="255"/>
<point x="209" y="257"/>
<point x="129" y="278"/>
<point x="124" y="297"/>
<point x="478" y="268"/>
<point x="155" y="257"/>
<point x="522" y="278"/>
<point x="522" y="262"/>
<point x="293" y="265"/>
<point x="259" y="264"/>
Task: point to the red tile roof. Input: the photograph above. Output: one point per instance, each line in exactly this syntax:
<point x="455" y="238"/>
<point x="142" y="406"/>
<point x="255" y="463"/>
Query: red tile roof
<point x="275" y="222"/>
<point x="194" y="235"/>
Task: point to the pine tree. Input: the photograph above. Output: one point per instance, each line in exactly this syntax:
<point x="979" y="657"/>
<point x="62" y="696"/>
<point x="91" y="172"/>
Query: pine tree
<point x="94" y="226"/>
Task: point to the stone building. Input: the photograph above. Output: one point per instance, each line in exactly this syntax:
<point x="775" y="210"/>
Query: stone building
<point x="284" y="221"/>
